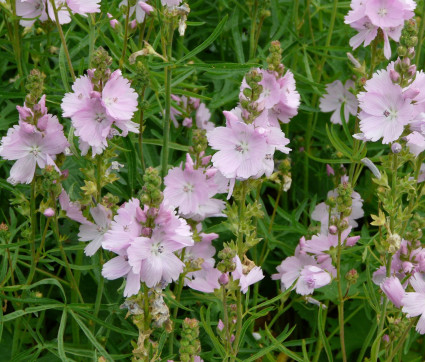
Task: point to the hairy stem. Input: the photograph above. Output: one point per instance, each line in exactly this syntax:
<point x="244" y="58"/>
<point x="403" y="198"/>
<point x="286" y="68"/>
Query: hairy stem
<point x="65" y="48"/>
<point x="340" y="299"/>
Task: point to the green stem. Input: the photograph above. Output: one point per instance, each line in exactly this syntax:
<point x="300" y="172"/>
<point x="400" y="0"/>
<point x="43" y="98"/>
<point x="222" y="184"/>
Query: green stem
<point x="421" y="35"/>
<point x="239" y="307"/>
<point x="340" y="299"/>
<point x="99" y="179"/>
<point x="252" y="44"/>
<point x="402" y="339"/>
<point x="16" y="40"/>
<point x="33" y="229"/>
<point x="310" y="128"/>
<point x="65" y="48"/>
<point x="142" y="161"/>
<point x="124" y="47"/>
<point x="229" y="348"/>
<point x="166" y="125"/>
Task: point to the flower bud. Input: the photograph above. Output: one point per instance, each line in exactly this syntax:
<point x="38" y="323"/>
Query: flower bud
<point x="49" y="212"/>
<point x="396" y="147"/>
<point x="395" y="76"/>
<point x="333" y="230"/>
<point x="224" y="279"/>
<point x="145" y="7"/>
<point x="412" y="70"/>
<point x="352" y="276"/>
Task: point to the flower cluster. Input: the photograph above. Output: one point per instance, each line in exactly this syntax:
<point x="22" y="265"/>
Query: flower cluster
<point x="36" y="140"/>
<point x="370" y="16"/>
<point x="140" y="10"/>
<point x="186" y="105"/>
<point x="145" y="241"/>
<point x="191" y="189"/>
<point x="96" y="105"/>
<point x="337" y="96"/>
<point x="31" y="10"/>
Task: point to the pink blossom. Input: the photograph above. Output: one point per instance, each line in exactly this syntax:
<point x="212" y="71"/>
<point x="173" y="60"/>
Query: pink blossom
<point x="414" y="302"/>
<point x="393" y="290"/>
<point x="304" y="270"/>
<point x="246" y="278"/>
<point x="78" y="99"/>
<point x="385" y="110"/>
<point x="72" y="209"/>
<point x="31" y="9"/>
<point x="387" y="13"/>
<point x="203" y="116"/>
<point x="49" y="212"/>
<point x="171" y="2"/>
<point x="191" y="190"/>
<point x="63" y="13"/>
<point x="118" y="98"/>
<point x="84" y="7"/>
<point x="416" y="143"/>
<point x="241" y="149"/>
<point x="338" y="96"/>
<point x="95" y="232"/>
<point x="31" y="146"/>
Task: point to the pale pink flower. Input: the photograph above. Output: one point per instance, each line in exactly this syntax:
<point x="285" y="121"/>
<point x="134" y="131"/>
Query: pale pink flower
<point x="79" y="99"/>
<point x="84" y="7"/>
<point x="125" y="227"/>
<point x="414" y="302"/>
<point x="191" y="190"/>
<point x="95" y="232"/>
<point x="387" y="13"/>
<point x="337" y="96"/>
<point x="304" y="271"/>
<point x="72" y="209"/>
<point x="385" y="109"/>
<point x="119" y="99"/>
<point x="141" y="9"/>
<point x="31" y="10"/>
<point x="63" y="13"/>
<point x="241" y="149"/>
<point x="246" y="278"/>
<point x="31" y="146"/>
<point x="171" y="2"/>
<point x="393" y="290"/>
<point x="416" y="143"/>
<point x="154" y="259"/>
<point x="203" y="116"/>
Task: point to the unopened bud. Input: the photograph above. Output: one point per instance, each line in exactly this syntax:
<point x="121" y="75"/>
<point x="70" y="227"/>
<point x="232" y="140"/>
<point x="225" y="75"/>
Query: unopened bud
<point x="224" y="279"/>
<point x="49" y="212"/>
<point x="333" y="230"/>
<point x="353" y="60"/>
<point x="395" y="76"/>
<point x="396" y="147"/>
<point x="352" y="276"/>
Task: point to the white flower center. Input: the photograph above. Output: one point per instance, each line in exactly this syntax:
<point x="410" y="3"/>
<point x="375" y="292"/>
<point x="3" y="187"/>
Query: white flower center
<point x="382" y="12"/>
<point x="391" y="114"/>
<point x="35" y="150"/>
<point x="188" y="188"/>
<point x="157" y="249"/>
<point x="109" y="101"/>
<point x="100" y="117"/>
<point x="266" y="92"/>
<point x="242" y="147"/>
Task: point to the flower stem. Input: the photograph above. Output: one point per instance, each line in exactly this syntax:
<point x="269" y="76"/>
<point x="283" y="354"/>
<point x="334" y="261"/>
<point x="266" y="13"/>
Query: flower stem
<point x="239" y="306"/>
<point x="16" y="40"/>
<point x="99" y="179"/>
<point x="142" y="161"/>
<point x="65" y="48"/>
<point x="124" y="47"/>
<point x="252" y="44"/>
<point x="340" y="299"/>
<point x="229" y="348"/>
<point x="166" y="125"/>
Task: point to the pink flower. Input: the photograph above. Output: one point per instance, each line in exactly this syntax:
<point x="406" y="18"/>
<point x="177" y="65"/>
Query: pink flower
<point x="63" y="13"/>
<point x="304" y="270"/>
<point x="118" y="98"/>
<point x="95" y="233"/>
<point x="339" y="96"/>
<point x="84" y="7"/>
<point x="191" y="190"/>
<point x="49" y="212"/>
<point x="246" y="278"/>
<point x="393" y="290"/>
<point x="154" y="259"/>
<point x="203" y="116"/>
<point x="385" y="110"/>
<point x="367" y="16"/>
<point x="31" y="146"/>
<point x="241" y="149"/>
<point x="416" y="143"/>
<point x="171" y="2"/>
<point x="72" y="209"/>
<point x="414" y="302"/>
<point x="125" y="227"/>
<point x="141" y="8"/>
<point x="321" y="243"/>
<point x="78" y="99"/>
<point x="31" y="9"/>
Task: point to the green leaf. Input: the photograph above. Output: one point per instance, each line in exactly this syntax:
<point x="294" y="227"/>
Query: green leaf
<point x="325" y="342"/>
<point x="214" y="35"/>
<point x="61" y="332"/>
<point x="206" y="323"/>
<point x="91" y="337"/>
<point x="19" y="313"/>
